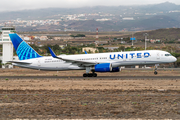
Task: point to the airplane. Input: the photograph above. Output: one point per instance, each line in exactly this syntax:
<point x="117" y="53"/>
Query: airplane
<point x="92" y="63"/>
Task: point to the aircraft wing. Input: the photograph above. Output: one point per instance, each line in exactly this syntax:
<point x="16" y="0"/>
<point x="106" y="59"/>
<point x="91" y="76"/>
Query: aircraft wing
<point x="19" y="62"/>
<point x="77" y="62"/>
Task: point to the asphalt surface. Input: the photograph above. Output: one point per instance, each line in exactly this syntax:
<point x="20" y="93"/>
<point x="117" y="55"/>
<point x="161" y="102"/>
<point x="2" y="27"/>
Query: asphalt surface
<point x="99" y="77"/>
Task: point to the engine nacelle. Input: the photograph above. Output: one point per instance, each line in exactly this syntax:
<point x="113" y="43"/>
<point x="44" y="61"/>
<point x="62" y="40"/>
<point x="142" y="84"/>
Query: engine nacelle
<point x="105" y="67"/>
<point x="115" y="69"/>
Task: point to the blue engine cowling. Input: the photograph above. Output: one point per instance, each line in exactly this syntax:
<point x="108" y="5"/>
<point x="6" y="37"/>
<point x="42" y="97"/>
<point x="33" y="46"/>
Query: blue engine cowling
<point x="105" y="67"/>
<point x="115" y="69"/>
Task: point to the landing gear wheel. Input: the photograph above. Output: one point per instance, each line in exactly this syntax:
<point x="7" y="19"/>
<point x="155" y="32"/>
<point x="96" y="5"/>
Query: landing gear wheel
<point x="85" y="75"/>
<point x="90" y="75"/>
<point x="94" y="75"/>
<point x="155" y="72"/>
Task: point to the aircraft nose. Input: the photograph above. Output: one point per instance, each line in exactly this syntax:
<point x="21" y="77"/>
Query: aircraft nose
<point x="174" y="59"/>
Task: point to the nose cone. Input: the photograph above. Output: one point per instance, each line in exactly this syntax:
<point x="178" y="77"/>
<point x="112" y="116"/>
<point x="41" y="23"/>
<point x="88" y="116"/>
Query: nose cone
<point x="174" y="59"/>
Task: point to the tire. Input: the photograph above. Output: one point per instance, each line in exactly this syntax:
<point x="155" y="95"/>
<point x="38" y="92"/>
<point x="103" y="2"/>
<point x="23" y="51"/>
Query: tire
<point x="85" y="75"/>
<point x="90" y="75"/>
<point x="94" y="75"/>
<point x="155" y="72"/>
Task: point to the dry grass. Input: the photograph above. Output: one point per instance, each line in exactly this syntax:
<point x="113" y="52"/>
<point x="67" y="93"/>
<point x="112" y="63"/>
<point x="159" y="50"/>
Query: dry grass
<point x="56" y="84"/>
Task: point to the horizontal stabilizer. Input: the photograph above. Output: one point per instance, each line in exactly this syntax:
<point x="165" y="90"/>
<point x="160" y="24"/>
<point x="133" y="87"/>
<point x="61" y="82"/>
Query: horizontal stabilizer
<point x="19" y="62"/>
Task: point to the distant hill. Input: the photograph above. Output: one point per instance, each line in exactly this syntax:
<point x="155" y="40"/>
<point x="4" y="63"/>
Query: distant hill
<point x="91" y="25"/>
<point x="163" y="34"/>
<point x="147" y="17"/>
<point x="50" y="12"/>
<point x="155" y="22"/>
<point x="163" y="7"/>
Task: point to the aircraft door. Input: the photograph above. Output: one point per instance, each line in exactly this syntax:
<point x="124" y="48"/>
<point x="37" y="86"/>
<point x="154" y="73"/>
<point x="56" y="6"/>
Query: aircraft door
<point x="158" y="55"/>
<point x="38" y="62"/>
<point x="129" y="57"/>
<point x="124" y="57"/>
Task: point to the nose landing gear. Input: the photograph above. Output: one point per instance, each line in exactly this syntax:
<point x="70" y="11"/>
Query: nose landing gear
<point x="155" y="70"/>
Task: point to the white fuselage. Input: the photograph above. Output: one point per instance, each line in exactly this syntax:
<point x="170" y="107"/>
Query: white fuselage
<point x="117" y="59"/>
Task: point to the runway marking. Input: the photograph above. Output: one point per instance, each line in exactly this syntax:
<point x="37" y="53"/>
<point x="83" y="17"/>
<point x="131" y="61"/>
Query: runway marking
<point x="94" y="95"/>
<point x="99" y="77"/>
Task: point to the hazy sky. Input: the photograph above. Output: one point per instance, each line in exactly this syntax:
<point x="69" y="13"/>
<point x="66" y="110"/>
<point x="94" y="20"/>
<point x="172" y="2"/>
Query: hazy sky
<point x="10" y="5"/>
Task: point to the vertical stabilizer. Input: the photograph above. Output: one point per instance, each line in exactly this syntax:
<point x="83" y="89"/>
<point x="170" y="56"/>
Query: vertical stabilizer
<point x="23" y="50"/>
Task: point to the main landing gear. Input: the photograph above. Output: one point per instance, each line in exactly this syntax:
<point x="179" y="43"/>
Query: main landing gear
<point x="89" y="75"/>
<point x="155" y="70"/>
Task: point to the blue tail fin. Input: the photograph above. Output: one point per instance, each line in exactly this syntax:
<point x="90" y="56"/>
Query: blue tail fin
<point x="23" y="50"/>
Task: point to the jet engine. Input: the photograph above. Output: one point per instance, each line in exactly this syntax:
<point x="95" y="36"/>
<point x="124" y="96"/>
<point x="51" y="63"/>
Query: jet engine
<point x="105" y="67"/>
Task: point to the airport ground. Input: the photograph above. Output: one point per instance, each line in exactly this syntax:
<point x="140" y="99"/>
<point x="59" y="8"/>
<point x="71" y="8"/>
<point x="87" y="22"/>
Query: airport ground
<point x="37" y="94"/>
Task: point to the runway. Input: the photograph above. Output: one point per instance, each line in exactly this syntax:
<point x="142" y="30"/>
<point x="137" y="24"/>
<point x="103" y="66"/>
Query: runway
<point x="99" y="77"/>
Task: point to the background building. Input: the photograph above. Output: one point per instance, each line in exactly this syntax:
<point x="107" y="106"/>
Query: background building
<point x="7" y="46"/>
<point x="89" y="49"/>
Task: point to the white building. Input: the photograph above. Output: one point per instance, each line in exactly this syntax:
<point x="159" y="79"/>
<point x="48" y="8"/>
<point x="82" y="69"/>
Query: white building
<point x="27" y="38"/>
<point x="128" y="18"/>
<point x="43" y="38"/>
<point x="7" y="47"/>
<point x="87" y="49"/>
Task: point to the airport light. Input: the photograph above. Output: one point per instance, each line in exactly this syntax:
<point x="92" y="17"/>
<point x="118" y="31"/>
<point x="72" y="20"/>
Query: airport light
<point x="146" y="34"/>
<point x="133" y="38"/>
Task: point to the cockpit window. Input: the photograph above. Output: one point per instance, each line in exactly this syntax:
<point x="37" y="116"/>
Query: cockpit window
<point x="168" y="55"/>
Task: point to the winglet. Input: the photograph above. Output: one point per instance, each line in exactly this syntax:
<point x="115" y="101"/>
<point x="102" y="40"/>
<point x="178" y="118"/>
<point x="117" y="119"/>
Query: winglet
<point x="85" y="52"/>
<point x="52" y="53"/>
